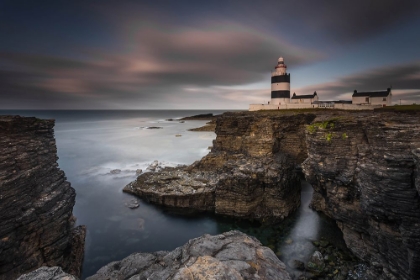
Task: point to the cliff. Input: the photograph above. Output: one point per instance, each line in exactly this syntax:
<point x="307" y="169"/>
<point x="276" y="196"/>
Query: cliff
<point x="231" y="255"/>
<point x="363" y="166"/>
<point x="365" y="176"/>
<point x="249" y="173"/>
<point x="36" y="201"/>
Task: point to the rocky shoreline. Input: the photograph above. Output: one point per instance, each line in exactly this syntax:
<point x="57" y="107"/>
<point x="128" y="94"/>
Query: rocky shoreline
<point x="363" y="166"/>
<point x="245" y="175"/>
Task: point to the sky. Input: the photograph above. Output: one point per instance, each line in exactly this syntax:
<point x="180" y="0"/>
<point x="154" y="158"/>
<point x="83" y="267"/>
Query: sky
<point x="202" y="54"/>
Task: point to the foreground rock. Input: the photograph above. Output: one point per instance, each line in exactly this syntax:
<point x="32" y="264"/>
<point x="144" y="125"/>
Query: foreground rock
<point x="232" y="255"/>
<point x="48" y="273"/>
<point x="365" y="175"/>
<point x="249" y="173"/>
<point x="36" y="201"/>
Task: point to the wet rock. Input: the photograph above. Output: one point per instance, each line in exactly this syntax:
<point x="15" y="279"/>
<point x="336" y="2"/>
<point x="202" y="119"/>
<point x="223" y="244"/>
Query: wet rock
<point x="139" y="171"/>
<point x="153" y="166"/>
<point x="36" y="201"/>
<point x="115" y="171"/>
<point x="178" y="135"/>
<point x="132" y="204"/>
<point x="231" y="255"/>
<point x="210" y="126"/>
<point x="153" y="127"/>
<point x="199" y="117"/>
<point x="296" y="264"/>
<point x="316" y="263"/>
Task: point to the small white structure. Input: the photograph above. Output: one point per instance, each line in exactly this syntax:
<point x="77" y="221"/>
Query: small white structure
<point x="383" y="98"/>
<point x="280" y="84"/>
<point x="304" y="99"/>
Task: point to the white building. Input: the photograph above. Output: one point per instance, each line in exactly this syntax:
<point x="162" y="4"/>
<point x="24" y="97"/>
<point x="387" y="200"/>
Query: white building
<point x="304" y="99"/>
<point x="383" y="98"/>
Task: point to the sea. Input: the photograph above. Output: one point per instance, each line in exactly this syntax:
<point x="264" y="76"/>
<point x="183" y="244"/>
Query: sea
<point x="102" y="151"/>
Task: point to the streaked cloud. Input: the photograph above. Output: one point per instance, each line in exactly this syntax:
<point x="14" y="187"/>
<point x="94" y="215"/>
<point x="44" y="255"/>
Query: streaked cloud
<point x="179" y="54"/>
<point x="404" y="79"/>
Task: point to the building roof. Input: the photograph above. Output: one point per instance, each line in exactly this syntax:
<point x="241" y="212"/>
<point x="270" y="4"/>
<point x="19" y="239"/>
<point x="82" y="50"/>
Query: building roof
<point x="307" y="96"/>
<point x="383" y="93"/>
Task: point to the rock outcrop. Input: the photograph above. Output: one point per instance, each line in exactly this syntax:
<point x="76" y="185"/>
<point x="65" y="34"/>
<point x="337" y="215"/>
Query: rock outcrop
<point x="365" y="176"/>
<point x="249" y="173"/>
<point x="36" y="201"/>
<point x="48" y="273"/>
<point x="364" y="167"/>
<point x="232" y="255"/>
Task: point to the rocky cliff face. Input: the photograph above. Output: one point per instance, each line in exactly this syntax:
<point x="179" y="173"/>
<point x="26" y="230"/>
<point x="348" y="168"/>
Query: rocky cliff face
<point x="36" y="201"/>
<point x="249" y="173"/>
<point x="365" y="175"/>
<point x="232" y="255"/>
<point x="364" y="167"/>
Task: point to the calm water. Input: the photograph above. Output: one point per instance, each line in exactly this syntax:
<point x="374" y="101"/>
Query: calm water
<point x="93" y="143"/>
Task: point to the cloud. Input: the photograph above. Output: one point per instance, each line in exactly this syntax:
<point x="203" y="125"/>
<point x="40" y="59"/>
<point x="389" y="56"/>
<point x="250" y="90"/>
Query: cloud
<point x="404" y="79"/>
<point x="161" y="63"/>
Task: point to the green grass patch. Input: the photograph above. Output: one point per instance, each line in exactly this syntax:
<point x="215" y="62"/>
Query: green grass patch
<point x="329" y="136"/>
<point x="400" y="108"/>
<point x="328" y="124"/>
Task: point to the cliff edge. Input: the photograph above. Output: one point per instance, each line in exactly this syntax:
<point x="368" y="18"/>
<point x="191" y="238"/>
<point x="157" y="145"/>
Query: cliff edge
<point x="365" y="173"/>
<point x="249" y="173"/>
<point x="36" y="202"/>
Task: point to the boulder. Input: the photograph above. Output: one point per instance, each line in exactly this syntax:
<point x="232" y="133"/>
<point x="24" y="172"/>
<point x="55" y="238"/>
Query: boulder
<point x="231" y="255"/>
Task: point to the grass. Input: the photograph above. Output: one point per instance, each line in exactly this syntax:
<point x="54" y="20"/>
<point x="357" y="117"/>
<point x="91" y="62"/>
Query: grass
<point x="328" y="124"/>
<point x="400" y="108"/>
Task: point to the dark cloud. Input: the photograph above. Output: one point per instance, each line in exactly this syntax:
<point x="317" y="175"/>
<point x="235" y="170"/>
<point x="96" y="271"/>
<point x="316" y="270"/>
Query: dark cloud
<point x="404" y="80"/>
<point x="163" y="54"/>
<point x="162" y="63"/>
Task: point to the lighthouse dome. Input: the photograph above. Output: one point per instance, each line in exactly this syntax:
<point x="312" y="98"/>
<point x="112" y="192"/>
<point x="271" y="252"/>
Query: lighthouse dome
<point x="280" y="59"/>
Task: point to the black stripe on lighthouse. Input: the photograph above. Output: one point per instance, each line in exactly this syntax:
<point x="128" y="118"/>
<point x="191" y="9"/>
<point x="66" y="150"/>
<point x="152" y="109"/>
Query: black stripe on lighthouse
<point x="280" y="93"/>
<point x="280" y="79"/>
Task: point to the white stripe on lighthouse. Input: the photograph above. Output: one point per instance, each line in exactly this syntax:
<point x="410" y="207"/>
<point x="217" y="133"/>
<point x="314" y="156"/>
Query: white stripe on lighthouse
<point x="280" y="86"/>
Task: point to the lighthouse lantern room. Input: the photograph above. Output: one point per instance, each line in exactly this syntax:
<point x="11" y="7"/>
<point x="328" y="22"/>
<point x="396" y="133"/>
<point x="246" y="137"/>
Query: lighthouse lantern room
<point x="280" y="84"/>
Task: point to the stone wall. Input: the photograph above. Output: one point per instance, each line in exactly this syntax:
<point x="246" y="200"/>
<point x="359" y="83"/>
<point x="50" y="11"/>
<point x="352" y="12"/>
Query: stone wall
<point x="351" y="107"/>
<point x="36" y="201"/>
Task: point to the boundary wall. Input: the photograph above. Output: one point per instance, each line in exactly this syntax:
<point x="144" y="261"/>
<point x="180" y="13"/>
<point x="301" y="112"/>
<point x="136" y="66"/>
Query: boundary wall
<point x="257" y="107"/>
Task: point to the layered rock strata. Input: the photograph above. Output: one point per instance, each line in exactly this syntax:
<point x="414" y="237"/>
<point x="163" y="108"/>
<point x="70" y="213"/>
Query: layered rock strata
<point x="36" y="201"/>
<point x="232" y="255"/>
<point x="249" y="173"/>
<point x="365" y="176"/>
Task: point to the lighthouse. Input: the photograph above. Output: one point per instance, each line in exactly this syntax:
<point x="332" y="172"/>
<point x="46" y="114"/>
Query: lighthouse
<point x="280" y="84"/>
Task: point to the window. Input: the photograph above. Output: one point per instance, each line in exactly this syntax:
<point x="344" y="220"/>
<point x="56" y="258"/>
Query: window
<point x="367" y="99"/>
<point x="384" y="99"/>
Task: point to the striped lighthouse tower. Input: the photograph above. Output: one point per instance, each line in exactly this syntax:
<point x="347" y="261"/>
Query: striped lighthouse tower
<point x="280" y="84"/>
